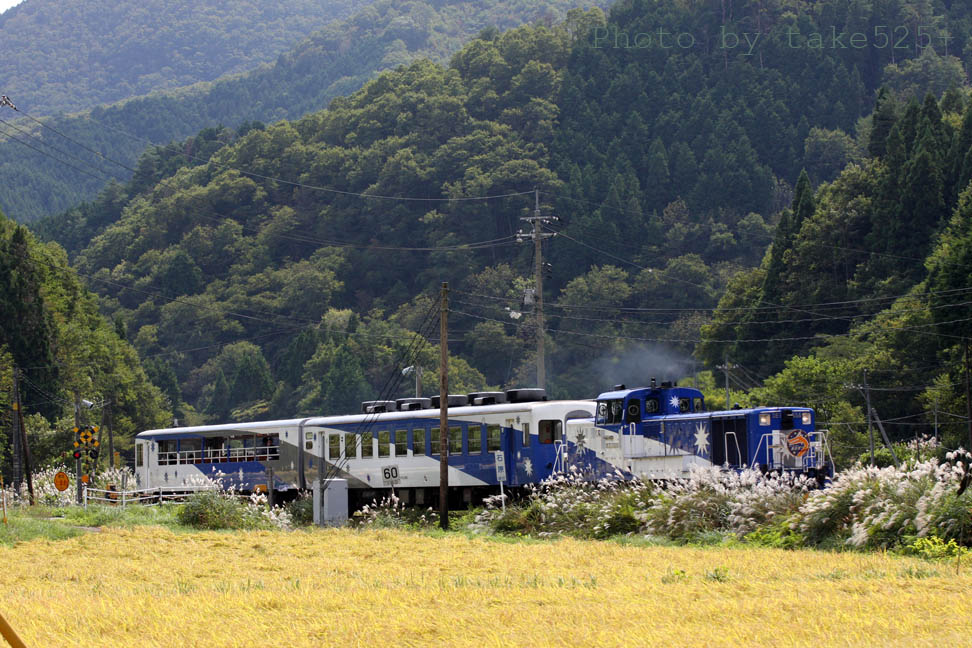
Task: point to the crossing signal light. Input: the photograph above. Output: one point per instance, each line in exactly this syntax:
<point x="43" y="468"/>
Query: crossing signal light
<point x="77" y="453"/>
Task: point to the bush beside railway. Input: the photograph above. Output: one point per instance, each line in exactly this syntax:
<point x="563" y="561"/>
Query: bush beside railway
<point x="918" y="508"/>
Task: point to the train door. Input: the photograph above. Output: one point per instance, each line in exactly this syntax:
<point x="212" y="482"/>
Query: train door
<point x="729" y="442"/>
<point x="142" y="464"/>
<point x="511" y="447"/>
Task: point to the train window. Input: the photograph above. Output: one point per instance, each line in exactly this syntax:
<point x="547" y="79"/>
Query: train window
<point x="455" y="440"/>
<point x="190" y="451"/>
<point x="139" y="454"/>
<point x="609" y="412"/>
<point x="418" y="441"/>
<point x="367" y="444"/>
<point x="697" y="405"/>
<point x="167" y="452"/>
<point x="651" y="406"/>
<point x="551" y="431"/>
<point x="350" y="446"/>
<point x="434" y="441"/>
<point x="333" y="446"/>
<point x="401" y="443"/>
<point x="475" y="442"/>
<point x="683" y="404"/>
<point x="384" y="443"/>
<point x="492" y="438"/>
<point x="526" y="435"/>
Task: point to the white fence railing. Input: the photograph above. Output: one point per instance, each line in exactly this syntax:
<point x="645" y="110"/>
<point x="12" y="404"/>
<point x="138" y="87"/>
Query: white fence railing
<point x="145" y="496"/>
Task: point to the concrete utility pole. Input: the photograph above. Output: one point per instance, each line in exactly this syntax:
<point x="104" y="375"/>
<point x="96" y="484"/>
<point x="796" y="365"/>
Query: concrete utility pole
<point x="444" y="407"/>
<point x="726" y="367"/>
<point x="537" y="236"/>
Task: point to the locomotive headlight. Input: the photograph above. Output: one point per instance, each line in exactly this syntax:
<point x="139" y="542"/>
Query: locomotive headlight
<point x="806" y="418"/>
<point x="764" y="418"/>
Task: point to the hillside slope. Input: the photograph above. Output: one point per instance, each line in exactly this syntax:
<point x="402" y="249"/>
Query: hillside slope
<point x="333" y="62"/>
<point x="72" y="55"/>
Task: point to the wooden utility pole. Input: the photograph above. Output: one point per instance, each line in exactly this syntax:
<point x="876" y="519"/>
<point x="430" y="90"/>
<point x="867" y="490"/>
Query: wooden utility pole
<point x="17" y="458"/>
<point x="21" y="433"/>
<point x="444" y="407"/>
<point x="968" y="393"/>
<point x="537" y="220"/>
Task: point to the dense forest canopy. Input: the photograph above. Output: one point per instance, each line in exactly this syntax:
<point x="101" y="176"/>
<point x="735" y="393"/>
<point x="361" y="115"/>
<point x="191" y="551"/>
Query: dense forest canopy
<point x="53" y="333"/>
<point x="334" y="61"/>
<point x="72" y="55"/>
<point x="795" y="211"/>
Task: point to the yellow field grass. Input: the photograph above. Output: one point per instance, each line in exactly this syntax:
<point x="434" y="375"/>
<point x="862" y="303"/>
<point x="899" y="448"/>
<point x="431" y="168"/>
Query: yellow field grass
<point x="148" y="586"/>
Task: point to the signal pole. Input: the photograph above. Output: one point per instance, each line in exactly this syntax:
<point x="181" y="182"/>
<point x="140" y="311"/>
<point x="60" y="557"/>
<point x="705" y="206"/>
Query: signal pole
<point x="77" y="426"/>
<point x="444" y="407"/>
<point x="537" y="220"/>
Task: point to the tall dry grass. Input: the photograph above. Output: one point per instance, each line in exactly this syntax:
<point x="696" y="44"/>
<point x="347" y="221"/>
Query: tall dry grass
<point x="147" y="586"/>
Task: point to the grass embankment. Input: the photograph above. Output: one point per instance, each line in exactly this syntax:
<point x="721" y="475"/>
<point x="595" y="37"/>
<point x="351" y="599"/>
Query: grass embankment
<point x="149" y="586"/>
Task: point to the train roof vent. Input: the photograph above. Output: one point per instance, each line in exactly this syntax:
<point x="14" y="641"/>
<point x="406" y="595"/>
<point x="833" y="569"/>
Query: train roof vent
<point x="377" y="406"/>
<point x="409" y="404"/>
<point x="487" y="398"/>
<point x="526" y="395"/>
<point x="454" y="400"/>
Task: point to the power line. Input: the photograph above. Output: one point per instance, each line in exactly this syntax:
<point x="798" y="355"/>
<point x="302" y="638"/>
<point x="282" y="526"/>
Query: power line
<point x="46" y="154"/>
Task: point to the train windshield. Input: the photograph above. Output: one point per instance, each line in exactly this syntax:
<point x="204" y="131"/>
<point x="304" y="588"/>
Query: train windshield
<point x="610" y="411"/>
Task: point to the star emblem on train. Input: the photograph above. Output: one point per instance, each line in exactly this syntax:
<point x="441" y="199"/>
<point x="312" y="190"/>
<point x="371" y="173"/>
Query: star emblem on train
<point x="528" y="466"/>
<point x="701" y="439"/>
<point x="673" y="401"/>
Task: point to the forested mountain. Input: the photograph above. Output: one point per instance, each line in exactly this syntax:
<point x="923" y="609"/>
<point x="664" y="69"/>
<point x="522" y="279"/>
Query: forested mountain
<point x="332" y="62"/>
<point x="284" y="269"/>
<point x="52" y="331"/>
<point x="72" y="55"/>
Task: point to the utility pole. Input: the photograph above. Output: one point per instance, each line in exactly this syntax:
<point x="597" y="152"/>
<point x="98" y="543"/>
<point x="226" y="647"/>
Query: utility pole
<point x="418" y="380"/>
<point x="18" y="466"/>
<point x="968" y="393"/>
<point x="537" y="220"/>
<point x="111" y="435"/>
<point x="20" y="432"/>
<point x="444" y="407"/>
<point x="726" y="367"/>
<point x="870" y="429"/>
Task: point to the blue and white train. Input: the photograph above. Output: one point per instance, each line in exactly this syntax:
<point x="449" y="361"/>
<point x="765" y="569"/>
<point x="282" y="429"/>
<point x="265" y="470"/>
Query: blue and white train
<point x="655" y="432"/>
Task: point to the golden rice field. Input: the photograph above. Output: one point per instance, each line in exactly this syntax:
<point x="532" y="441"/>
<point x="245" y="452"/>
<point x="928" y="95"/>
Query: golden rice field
<point x="148" y="586"/>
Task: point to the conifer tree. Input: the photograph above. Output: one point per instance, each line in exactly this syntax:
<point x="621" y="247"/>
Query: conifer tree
<point x="883" y="119"/>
